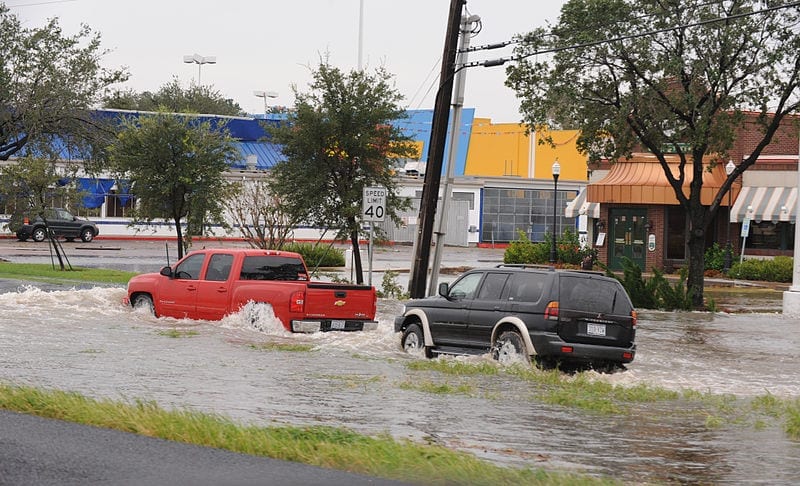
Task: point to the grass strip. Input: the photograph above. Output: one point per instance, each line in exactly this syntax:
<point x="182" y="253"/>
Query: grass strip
<point x="47" y="273"/>
<point x="328" y="447"/>
<point x="583" y="391"/>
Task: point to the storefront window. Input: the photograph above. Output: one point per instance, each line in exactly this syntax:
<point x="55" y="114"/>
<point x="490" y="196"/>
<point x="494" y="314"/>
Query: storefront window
<point x="767" y="235"/>
<point x="507" y="211"/>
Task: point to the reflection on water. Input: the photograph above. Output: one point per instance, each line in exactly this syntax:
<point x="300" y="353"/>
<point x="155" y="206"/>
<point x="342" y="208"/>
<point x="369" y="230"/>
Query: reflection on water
<point x="87" y="341"/>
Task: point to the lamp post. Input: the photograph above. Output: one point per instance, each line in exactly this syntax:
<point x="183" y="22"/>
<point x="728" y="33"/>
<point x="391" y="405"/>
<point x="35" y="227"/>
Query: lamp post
<point x="729" y="168"/>
<point x="265" y="95"/>
<point x="199" y="60"/>
<point x="556" y="172"/>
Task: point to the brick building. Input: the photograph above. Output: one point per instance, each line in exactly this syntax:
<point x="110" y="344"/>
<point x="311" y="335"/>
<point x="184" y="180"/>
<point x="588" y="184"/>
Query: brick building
<point x="636" y="214"/>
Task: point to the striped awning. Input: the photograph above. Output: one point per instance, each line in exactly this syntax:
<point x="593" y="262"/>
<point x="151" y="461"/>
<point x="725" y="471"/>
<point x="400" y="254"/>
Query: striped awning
<point x="774" y="204"/>
<point x="579" y="206"/>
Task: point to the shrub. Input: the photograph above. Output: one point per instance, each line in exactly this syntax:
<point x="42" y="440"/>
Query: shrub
<point x="655" y="292"/>
<point x="317" y="255"/>
<point x="523" y="250"/>
<point x="568" y="249"/>
<point x="715" y="257"/>
<point x="390" y="287"/>
<point x="778" y="269"/>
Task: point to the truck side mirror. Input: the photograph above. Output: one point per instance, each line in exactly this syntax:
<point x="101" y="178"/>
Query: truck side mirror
<point x="444" y="289"/>
<point x="166" y="271"/>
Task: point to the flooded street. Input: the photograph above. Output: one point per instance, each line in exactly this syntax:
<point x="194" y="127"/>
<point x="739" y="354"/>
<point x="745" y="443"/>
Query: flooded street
<point x="87" y="341"/>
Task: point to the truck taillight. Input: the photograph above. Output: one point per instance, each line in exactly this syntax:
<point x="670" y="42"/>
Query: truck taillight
<point x="551" y="311"/>
<point x="26" y="221"/>
<point x="297" y="301"/>
<point x="634" y="319"/>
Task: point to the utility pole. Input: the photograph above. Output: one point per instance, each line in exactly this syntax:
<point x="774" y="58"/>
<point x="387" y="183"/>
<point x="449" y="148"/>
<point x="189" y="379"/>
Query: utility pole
<point x="467" y="29"/>
<point x="433" y="173"/>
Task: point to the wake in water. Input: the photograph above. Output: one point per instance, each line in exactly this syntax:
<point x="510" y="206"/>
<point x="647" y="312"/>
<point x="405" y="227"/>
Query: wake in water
<point x="30" y="301"/>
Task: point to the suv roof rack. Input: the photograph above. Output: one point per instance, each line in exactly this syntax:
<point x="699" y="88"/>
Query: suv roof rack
<point x="526" y="265"/>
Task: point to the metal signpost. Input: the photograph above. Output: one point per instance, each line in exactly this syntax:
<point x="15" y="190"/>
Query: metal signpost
<point x="745" y="232"/>
<point x="373" y="209"/>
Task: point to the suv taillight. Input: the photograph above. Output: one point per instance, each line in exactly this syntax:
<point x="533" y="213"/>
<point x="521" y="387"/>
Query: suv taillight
<point x="634" y="319"/>
<point x="26" y="221"/>
<point x="297" y="302"/>
<point x="551" y="311"/>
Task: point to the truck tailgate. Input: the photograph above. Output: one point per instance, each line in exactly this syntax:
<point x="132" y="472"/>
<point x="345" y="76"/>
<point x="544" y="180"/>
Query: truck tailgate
<point x="340" y="301"/>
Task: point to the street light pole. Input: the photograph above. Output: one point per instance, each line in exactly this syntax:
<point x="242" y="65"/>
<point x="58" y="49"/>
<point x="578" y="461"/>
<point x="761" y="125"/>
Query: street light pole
<point x="729" y="168"/>
<point x="556" y="172"/>
<point x="265" y="95"/>
<point x="199" y="60"/>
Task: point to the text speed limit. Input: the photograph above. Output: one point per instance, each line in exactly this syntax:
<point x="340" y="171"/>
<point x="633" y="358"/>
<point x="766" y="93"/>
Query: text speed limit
<point x="374" y="204"/>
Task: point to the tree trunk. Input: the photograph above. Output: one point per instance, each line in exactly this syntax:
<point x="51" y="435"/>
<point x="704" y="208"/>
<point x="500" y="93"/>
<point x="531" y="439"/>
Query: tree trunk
<point x="696" y="246"/>
<point x="179" y="233"/>
<point x="357" y="257"/>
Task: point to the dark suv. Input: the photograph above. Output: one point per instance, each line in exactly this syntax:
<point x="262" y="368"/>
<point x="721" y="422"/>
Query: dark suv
<point x="514" y="311"/>
<point x="61" y="222"/>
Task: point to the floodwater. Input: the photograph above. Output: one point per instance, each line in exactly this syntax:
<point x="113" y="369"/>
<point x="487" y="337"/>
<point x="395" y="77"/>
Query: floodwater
<point x="85" y="340"/>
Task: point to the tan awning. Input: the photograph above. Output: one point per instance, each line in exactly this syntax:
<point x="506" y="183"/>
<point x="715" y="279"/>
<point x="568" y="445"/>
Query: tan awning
<point x="641" y="180"/>
<point x="776" y="204"/>
<point x="579" y="206"/>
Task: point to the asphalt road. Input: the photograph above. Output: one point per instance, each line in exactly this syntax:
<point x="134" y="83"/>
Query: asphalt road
<point x="35" y="451"/>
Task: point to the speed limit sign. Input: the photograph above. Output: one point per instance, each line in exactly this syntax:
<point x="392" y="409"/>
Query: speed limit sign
<point x="374" y="204"/>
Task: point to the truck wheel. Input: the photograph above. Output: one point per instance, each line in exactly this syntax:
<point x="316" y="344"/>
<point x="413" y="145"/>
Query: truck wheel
<point x="87" y="235"/>
<point x="39" y="234"/>
<point x="144" y="301"/>
<point x="510" y="348"/>
<point x="413" y="341"/>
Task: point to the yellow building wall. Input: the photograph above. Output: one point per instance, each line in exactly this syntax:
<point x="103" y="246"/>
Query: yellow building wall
<point x="572" y="162"/>
<point x="499" y="149"/>
<point x="503" y="149"/>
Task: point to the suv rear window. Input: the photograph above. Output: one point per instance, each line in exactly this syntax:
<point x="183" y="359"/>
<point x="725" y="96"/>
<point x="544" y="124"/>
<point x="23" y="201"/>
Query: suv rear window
<point x="593" y="295"/>
<point x="273" y="267"/>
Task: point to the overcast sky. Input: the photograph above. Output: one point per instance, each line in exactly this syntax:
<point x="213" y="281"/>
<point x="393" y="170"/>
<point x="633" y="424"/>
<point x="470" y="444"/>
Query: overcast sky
<point x="269" y="45"/>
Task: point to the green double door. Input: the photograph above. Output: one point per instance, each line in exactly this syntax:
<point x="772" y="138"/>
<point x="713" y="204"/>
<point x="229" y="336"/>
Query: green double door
<point x="628" y="236"/>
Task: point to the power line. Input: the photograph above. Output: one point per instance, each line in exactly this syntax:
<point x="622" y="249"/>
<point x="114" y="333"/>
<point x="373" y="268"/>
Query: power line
<point x="40" y="3"/>
<point x="503" y="60"/>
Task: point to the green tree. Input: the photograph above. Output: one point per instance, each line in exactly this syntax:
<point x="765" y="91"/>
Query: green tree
<point x="48" y="81"/>
<point x="175" y="165"/>
<point x="339" y="140"/>
<point x="31" y="184"/>
<point x="665" y="76"/>
<point x="172" y="97"/>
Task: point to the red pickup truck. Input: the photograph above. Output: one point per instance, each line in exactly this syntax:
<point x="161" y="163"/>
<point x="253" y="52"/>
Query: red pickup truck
<point x="210" y="284"/>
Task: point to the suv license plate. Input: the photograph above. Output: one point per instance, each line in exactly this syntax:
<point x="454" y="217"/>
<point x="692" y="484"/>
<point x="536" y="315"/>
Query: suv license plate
<point x="339" y="325"/>
<point x="595" y="329"/>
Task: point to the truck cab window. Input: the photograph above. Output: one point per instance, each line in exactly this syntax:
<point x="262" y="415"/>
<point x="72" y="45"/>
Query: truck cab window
<point x="189" y="268"/>
<point x="273" y="267"/>
<point x="219" y="267"/>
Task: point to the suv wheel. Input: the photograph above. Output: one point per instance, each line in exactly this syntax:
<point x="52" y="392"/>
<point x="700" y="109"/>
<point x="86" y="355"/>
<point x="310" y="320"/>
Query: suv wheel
<point x="413" y="341"/>
<point x="510" y="348"/>
<point x="39" y="234"/>
<point x="87" y="235"/>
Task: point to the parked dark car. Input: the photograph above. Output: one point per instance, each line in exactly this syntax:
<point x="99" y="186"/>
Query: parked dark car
<point x="61" y="222"/>
<point x="517" y="312"/>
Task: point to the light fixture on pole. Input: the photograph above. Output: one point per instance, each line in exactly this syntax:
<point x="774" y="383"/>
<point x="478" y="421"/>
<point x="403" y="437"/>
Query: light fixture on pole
<point x="729" y="168"/>
<point x="199" y="60"/>
<point x="265" y="95"/>
<point x="556" y="172"/>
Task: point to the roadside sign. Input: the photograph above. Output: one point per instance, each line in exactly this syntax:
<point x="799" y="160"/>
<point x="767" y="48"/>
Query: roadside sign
<point x="745" y="228"/>
<point x="374" y="204"/>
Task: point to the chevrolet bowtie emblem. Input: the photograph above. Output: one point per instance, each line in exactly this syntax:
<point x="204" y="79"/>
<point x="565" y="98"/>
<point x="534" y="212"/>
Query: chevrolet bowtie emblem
<point x="339" y="303"/>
